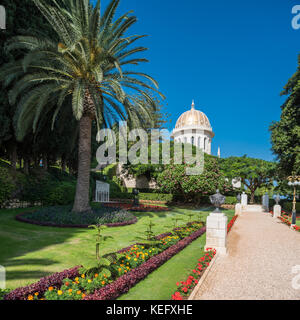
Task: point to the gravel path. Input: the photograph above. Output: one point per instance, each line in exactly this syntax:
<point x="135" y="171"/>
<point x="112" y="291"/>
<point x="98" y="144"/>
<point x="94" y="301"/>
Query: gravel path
<point x="261" y="254"/>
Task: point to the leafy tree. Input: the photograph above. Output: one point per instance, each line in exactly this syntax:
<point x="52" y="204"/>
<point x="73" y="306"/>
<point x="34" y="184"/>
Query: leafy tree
<point x="85" y="64"/>
<point x="16" y="22"/>
<point x="285" y="134"/>
<point x="254" y="173"/>
<point x="173" y="179"/>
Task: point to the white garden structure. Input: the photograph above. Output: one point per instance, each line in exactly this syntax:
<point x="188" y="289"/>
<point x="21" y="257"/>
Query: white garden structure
<point x="102" y="192"/>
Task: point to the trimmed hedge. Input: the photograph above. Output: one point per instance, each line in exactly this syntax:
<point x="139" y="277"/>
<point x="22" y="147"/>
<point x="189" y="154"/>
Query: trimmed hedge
<point x="230" y="200"/>
<point x="143" y="196"/>
<point x="156" y="197"/>
<point x="165" y="197"/>
<point x="288" y="206"/>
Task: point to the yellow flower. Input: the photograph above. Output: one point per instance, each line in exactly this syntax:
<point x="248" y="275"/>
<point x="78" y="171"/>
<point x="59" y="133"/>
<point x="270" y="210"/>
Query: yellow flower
<point x="59" y="292"/>
<point x="30" y="297"/>
<point x="76" y="279"/>
<point x="70" y="290"/>
<point x="135" y="259"/>
<point x="36" y="294"/>
<point x="103" y="282"/>
<point x="82" y="276"/>
<point x="119" y="269"/>
<point x="79" y="292"/>
<point x="89" y="281"/>
<point x="83" y="295"/>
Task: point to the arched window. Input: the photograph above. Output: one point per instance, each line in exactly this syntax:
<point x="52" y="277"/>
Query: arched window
<point x="192" y="140"/>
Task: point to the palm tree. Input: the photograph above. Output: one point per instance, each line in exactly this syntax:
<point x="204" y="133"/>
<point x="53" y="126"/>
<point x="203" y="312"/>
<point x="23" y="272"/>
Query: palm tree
<point x="87" y="64"/>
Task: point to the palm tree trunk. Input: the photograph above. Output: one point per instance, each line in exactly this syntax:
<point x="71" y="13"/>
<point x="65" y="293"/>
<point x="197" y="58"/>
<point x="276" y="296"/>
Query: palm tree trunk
<point x="63" y="163"/>
<point x="81" y="203"/>
<point x="45" y="162"/>
<point x="26" y="165"/>
<point x="14" y="158"/>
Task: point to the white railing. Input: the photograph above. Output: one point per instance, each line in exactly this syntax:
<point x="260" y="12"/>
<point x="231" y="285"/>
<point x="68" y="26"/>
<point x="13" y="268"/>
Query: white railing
<point x="102" y="192"/>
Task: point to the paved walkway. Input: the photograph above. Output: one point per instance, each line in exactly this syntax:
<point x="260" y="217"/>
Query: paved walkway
<point x="261" y="254"/>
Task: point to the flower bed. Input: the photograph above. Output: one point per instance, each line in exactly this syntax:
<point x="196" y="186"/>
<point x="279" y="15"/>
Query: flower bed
<point x="231" y="223"/>
<point x="38" y="288"/>
<point x="127" y="281"/>
<point x="286" y="219"/>
<point x="185" y="288"/>
<point x="134" y="265"/>
<point x="141" y="207"/>
<point x="62" y="217"/>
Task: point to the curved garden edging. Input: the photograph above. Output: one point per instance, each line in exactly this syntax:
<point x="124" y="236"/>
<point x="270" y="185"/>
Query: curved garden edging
<point x="129" y="280"/>
<point x="20" y="218"/>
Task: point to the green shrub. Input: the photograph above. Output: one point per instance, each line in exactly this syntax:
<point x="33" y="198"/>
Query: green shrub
<point x="61" y="194"/>
<point x="48" y="190"/>
<point x="121" y="195"/>
<point x="110" y="171"/>
<point x="230" y="200"/>
<point x="143" y="196"/>
<point x="59" y="175"/>
<point x="6" y="185"/>
<point x="156" y="197"/>
<point x="288" y="206"/>
<point x="35" y="189"/>
<point x="3" y="292"/>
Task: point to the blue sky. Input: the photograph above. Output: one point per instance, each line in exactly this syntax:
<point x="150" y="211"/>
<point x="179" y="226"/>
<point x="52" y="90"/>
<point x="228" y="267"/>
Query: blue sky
<point x="233" y="57"/>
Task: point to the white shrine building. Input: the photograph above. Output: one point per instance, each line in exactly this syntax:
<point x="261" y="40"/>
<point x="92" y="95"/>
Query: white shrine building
<point x="194" y="127"/>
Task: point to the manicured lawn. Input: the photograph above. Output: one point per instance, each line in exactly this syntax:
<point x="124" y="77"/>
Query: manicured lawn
<point x="161" y="283"/>
<point x="30" y="252"/>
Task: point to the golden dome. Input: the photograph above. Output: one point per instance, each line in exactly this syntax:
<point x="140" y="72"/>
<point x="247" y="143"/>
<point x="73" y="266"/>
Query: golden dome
<point x="193" y="118"/>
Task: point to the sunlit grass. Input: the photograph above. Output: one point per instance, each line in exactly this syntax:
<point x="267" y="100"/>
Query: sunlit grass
<point x="29" y="252"/>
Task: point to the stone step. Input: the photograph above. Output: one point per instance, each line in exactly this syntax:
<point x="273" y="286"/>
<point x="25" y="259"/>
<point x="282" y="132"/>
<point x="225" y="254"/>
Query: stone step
<point x="253" y="207"/>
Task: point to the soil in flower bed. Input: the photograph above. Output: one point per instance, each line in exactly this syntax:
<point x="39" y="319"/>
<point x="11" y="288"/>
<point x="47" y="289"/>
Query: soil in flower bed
<point x="64" y="217"/>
